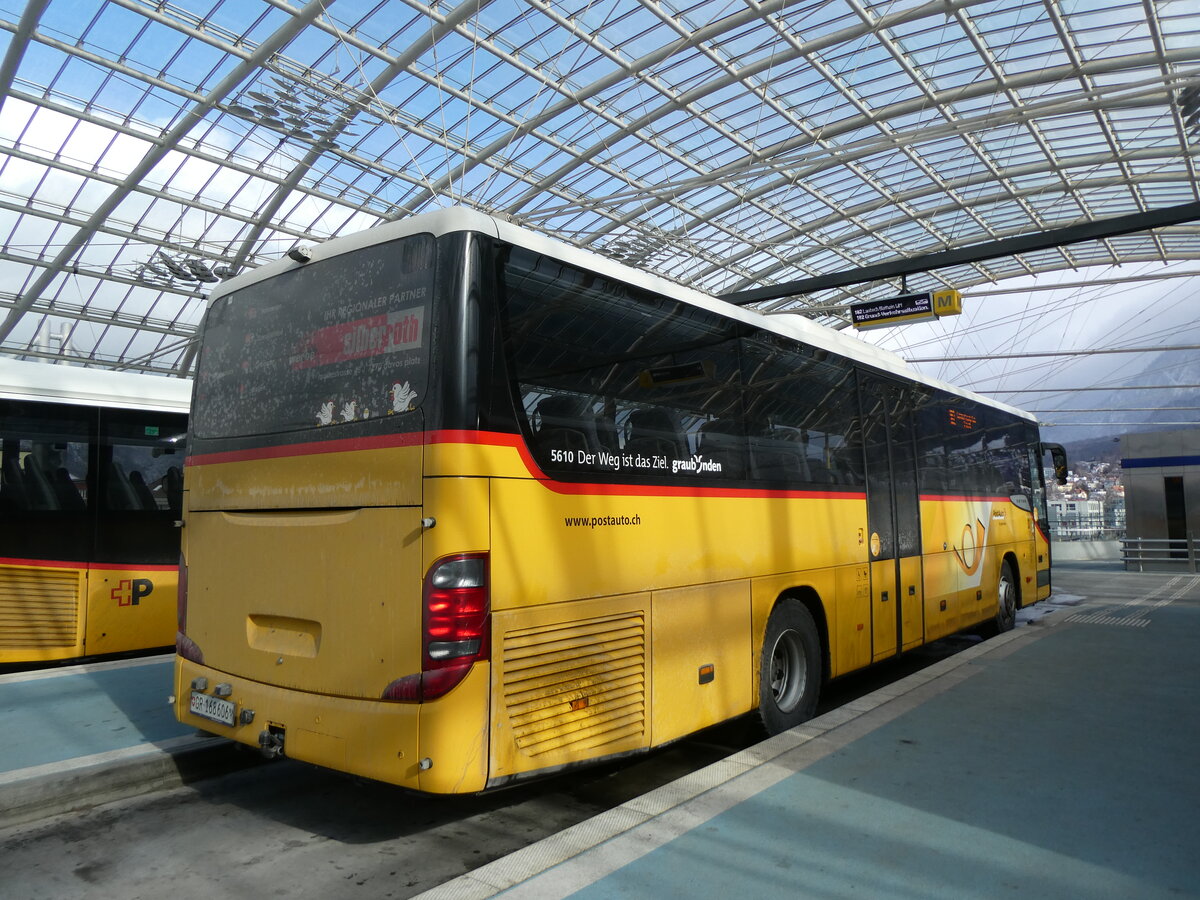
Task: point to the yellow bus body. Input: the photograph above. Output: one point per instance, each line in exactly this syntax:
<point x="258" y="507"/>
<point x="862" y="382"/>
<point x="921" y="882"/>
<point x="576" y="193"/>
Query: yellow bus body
<point x="51" y="611"/>
<point x="623" y="617"/>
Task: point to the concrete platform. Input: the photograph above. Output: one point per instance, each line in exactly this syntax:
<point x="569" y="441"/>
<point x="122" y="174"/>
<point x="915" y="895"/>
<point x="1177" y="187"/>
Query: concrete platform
<point x="1058" y="760"/>
<point x="82" y="735"/>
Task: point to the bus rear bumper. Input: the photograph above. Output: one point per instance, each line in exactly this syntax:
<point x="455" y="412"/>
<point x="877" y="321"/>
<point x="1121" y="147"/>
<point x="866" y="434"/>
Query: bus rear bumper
<point x="370" y="738"/>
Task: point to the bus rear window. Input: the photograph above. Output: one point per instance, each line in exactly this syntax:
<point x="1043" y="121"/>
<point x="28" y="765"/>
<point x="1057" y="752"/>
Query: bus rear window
<point x="334" y="342"/>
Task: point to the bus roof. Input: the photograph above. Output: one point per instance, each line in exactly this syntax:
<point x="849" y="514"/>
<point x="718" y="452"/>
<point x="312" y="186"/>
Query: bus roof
<point x="20" y="380"/>
<point x="449" y="221"/>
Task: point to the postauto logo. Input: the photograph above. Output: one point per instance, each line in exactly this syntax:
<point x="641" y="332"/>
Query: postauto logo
<point x="130" y="591"/>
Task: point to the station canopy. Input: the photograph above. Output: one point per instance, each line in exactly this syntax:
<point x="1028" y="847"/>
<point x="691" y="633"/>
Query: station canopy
<point x="149" y="150"/>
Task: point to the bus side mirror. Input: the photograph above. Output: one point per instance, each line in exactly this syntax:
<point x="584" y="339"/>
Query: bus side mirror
<point x="1058" y="456"/>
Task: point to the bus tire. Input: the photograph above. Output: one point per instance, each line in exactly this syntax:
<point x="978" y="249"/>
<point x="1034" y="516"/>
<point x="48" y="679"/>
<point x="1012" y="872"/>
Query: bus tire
<point x="790" y="668"/>
<point x="1006" y="601"/>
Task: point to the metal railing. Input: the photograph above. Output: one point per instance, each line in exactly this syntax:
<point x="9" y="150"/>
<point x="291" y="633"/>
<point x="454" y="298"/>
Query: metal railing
<point x="1160" y="552"/>
<point x="1085" y="528"/>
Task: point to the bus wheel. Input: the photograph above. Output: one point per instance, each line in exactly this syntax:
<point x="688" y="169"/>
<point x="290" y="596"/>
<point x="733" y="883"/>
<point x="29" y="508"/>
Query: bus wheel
<point x="1006" y="602"/>
<point x="790" y="669"/>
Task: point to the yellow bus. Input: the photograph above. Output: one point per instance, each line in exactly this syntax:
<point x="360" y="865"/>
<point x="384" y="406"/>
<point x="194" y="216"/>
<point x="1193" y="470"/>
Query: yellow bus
<point x="465" y="505"/>
<point x="91" y="492"/>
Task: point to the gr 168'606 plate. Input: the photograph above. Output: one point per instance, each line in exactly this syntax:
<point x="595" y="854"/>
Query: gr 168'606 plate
<point x="212" y="708"/>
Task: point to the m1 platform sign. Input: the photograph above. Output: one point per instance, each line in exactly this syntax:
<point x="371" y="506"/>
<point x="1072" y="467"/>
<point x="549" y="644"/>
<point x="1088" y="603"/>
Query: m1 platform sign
<point x="906" y="308"/>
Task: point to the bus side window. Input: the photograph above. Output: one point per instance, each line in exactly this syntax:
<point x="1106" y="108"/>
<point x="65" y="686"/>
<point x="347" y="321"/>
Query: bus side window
<point x="803" y="415"/>
<point x="12" y="483"/>
<point x="120" y="494"/>
<point x="653" y="432"/>
<point x="722" y="441"/>
<point x="53" y="475"/>
<point x="137" y="456"/>
<point x="777" y="455"/>
<point x="41" y="493"/>
<point x="564" y="422"/>
<point x="65" y="490"/>
<point x="174" y="484"/>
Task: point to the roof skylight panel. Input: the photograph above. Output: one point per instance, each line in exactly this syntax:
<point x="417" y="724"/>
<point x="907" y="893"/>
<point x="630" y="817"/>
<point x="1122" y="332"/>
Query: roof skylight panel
<point x="1002" y="24"/>
<point x="895" y="169"/>
<point x="818" y="20"/>
<point x="1087" y="174"/>
<point x="1114" y="199"/>
<point x="1057" y="208"/>
<point x="1018" y="154"/>
<point x="1077" y="142"/>
<point x="1142" y="127"/>
<point x="1004" y="217"/>
<point x="946" y="76"/>
<point x="1158" y="194"/>
<point x="635" y="32"/>
<point x="950" y="159"/>
<point x="1178" y="24"/>
<point x="1110" y="20"/>
<point x="911" y="235"/>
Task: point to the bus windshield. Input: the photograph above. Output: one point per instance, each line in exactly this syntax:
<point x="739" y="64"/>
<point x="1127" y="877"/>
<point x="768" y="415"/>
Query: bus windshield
<point x="330" y="343"/>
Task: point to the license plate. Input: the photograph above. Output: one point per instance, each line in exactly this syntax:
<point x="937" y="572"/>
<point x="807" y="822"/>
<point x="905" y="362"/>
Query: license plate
<point x="211" y="707"/>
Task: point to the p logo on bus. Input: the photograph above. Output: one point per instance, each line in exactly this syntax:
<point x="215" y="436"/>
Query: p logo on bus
<point x="130" y="591"/>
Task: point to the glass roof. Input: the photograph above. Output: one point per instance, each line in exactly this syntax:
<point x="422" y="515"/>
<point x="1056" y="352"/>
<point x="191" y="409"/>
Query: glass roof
<point x="150" y="149"/>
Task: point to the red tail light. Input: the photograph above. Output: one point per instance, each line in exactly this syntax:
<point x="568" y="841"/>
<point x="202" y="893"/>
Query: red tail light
<point x="456" y="621"/>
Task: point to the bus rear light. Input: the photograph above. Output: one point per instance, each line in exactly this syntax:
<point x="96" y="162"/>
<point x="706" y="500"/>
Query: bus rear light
<point x="456" y="612"/>
<point x="426" y="685"/>
<point x="456" y="621"/>
<point x="187" y="648"/>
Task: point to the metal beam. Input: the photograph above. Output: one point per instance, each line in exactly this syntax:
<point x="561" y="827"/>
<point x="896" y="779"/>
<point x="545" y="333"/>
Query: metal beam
<point x="1025" y="243"/>
<point x="18" y="45"/>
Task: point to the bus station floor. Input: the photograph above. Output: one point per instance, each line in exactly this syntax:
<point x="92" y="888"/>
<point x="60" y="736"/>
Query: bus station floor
<point x="1058" y="760"/>
<point x="79" y="735"/>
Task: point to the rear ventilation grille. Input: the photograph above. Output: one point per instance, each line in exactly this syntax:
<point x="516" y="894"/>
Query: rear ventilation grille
<point x="576" y="686"/>
<point x="38" y="608"/>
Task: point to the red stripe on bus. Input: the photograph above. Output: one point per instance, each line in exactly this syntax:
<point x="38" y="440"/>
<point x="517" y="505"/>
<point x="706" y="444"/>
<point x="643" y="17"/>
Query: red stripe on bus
<point x="68" y="564"/>
<point x="962" y="497"/>
<point x="310" y="448"/>
<point x="514" y="442"/>
<point x="658" y="490"/>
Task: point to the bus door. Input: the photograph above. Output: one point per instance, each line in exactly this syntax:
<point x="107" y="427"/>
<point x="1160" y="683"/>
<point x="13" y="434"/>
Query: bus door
<point x="893" y="517"/>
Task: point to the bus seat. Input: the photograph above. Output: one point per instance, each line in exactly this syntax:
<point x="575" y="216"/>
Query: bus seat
<point x="141" y="490"/>
<point x="721" y="440"/>
<point x="606" y="433"/>
<point x="12" y="489"/>
<point x="120" y="492"/>
<point x="653" y="432"/>
<point x="819" y="472"/>
<point x="563" y="422"/>
<point x="38" y="487"/>
<point x="850" y="465"/>
<point x="65" y="490"/>
<point x="779" y="456"/>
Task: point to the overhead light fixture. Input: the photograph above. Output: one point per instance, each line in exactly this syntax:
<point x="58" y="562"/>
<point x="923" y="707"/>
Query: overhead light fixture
<point x="164" y="269"/>
<point x="300" y="254"/>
